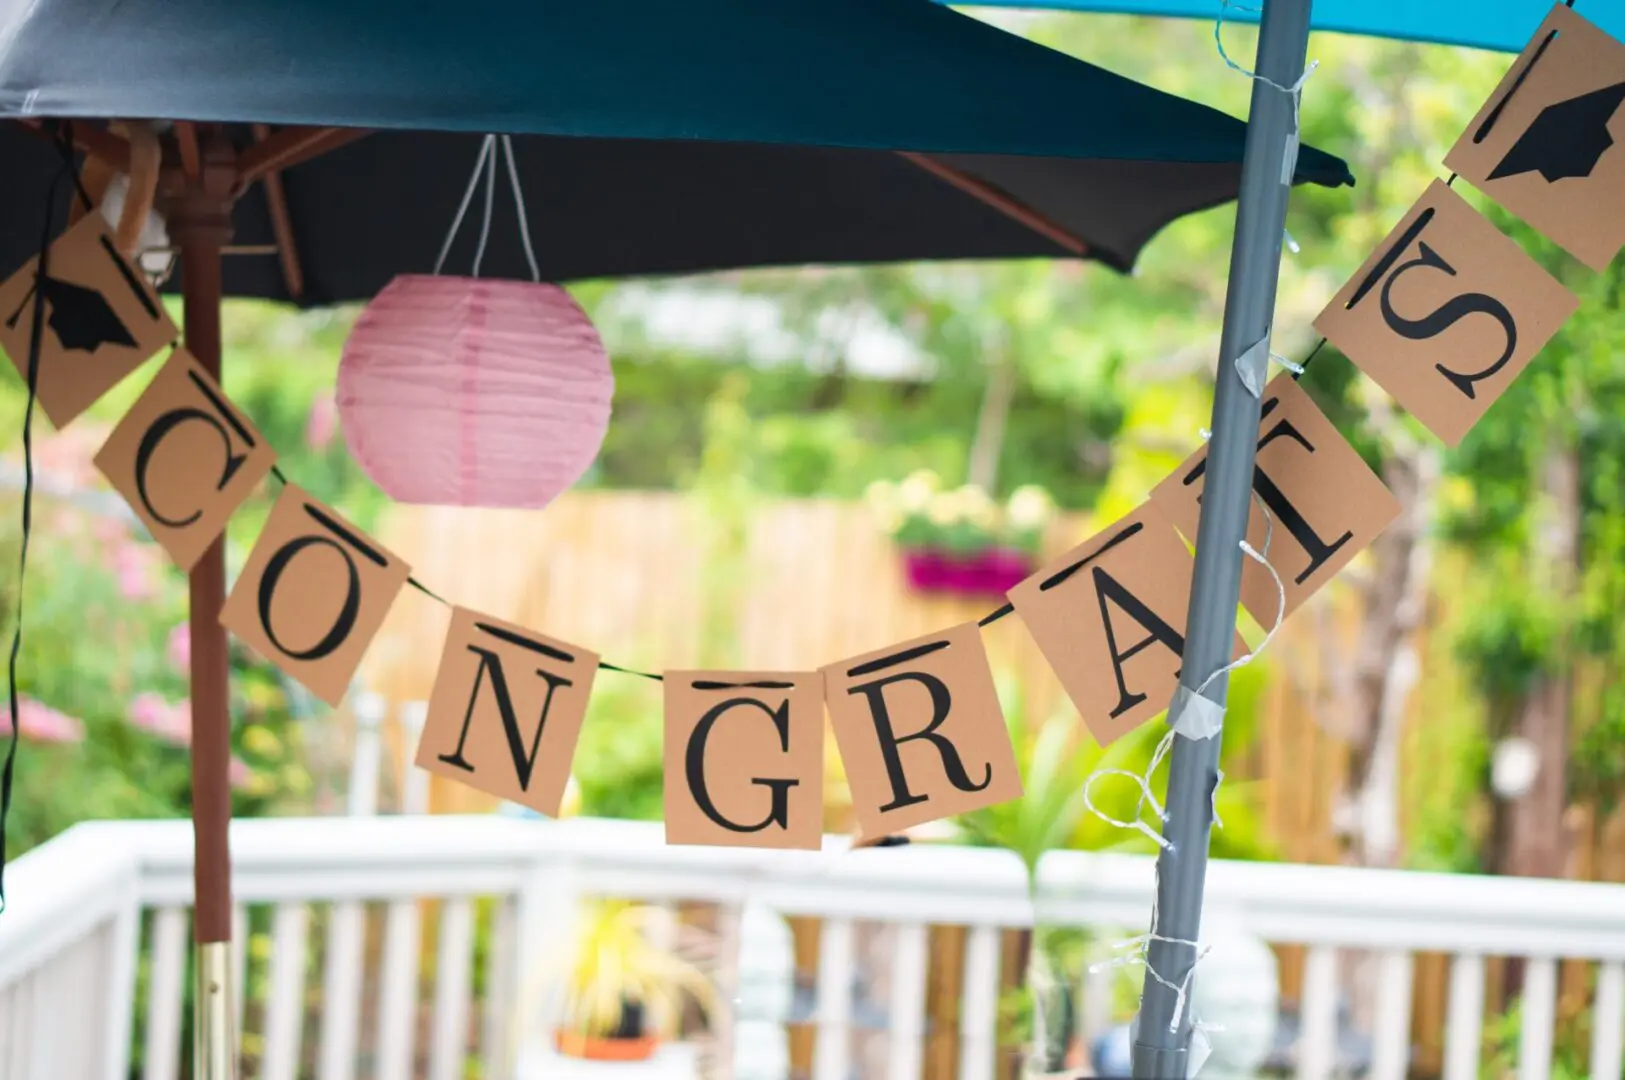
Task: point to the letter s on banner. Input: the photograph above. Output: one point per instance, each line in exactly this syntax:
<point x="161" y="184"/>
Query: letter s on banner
<point x="745" y="758"/>
<point x="920" y="731"/>
<point x="506" y="710"/>
<point x="313" y="593"/>
<point x="184" y="458"/>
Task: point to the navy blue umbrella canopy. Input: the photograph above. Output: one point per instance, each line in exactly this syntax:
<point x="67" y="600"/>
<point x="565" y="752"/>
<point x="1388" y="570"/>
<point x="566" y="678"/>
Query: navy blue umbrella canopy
<point x="652" y="136"/>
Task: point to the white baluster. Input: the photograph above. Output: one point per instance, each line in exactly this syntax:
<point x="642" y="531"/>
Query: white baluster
<point x="1539" y="1014"/>
<point x="285" y="1007"/>
<point x="51" y="1027"/>
<point x="239" y="972"/>
<point x="448" y="1043"/>
<point x="1464" y="1022"/>
<point x="366" y="764"/>
<point x="398" y="989"/>
<point x="1391" y="1050"/>
<point x="165" y="994"/>
<point x="835" y="977"/>
<point x="1317" y="1046"/>
<point x="123" y="953"/>
<point x="495" y="1043"/>
<point x="906" y="1034"/>
<point x="415" y="782"/>
<point x="1607" y="1023"/>
<point x="979" y="1009"/>
<point x="341" y="990"/>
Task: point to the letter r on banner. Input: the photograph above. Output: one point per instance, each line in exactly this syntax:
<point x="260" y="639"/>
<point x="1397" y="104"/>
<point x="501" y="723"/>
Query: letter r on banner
<point x="506" y="710"/>
<point x="1109" y="617"/>
<point x="184" y="458"/>
<point x="920" y="731"/>
<point x="745" y="758"/>
<point x="312" y="594"/>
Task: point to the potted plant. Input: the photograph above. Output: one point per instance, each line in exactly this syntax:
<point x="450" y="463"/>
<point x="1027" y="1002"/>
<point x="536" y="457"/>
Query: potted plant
<point x="962" y="541"/>
<point x="626" y="993"/>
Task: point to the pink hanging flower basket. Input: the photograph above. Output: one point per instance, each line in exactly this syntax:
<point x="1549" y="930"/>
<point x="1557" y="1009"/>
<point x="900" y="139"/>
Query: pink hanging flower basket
<point x="474" y="392"/>
<point x="992" y="572"/>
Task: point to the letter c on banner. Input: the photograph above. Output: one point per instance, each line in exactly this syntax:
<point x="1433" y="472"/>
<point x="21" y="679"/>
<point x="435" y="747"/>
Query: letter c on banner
<point x="156" y="434"/>
<point x="694" y="767"/>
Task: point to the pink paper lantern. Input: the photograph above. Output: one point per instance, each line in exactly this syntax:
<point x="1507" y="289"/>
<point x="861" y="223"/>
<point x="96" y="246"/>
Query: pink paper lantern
<point x="474" y="392"/>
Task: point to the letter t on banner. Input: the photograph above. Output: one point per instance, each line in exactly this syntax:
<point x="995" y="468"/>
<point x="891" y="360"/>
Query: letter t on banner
<point x="921" y="732"/>
<point x="745" y="759"/>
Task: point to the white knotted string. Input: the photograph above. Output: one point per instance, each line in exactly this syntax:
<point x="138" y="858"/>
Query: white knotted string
<point x="485" y="167"/>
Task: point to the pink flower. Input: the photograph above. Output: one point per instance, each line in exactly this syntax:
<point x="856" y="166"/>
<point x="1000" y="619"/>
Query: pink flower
<point x="179" y="647"/>
<point x="135" y="568"/>
<point x="240" y="773"/>
<point x="323" y="422"/>
<point x="41" y="723"/>
<point x="155" y="716"/>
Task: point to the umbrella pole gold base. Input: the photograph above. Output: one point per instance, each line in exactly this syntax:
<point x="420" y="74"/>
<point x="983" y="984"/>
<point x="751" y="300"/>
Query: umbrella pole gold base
<point x="213" y="1040"/>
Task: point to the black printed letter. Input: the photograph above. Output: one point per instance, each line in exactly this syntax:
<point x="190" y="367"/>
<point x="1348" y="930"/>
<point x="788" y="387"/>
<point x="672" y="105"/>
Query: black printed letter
<point x="779" y="812"/>
<point x="941" y="702"/>
<point x="1108" y="588"/>
<point x="1447" y="315"/>
<point x="524" y="761"/>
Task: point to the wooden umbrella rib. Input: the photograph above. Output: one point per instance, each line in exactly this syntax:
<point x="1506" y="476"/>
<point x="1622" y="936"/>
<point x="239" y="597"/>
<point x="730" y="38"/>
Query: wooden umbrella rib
<point x="1000" y="200"/>
<point x="288" y="147"/>
<point x="96" y="142"/>
<point x="276" y="201"/>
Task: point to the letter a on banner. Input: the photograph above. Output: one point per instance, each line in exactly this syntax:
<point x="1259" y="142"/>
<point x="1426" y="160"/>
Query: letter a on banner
<point x="1547" y="144"/>
<point x="313" y="593"/>
<point x="1446" y="313"/>
<point x="1109" y="617"/>
<point x="920" y="731"/>
<point x="102" y="320"/>
<point x="506" y="710"/>
<point x="745" y="759"/>
<point x="1325" y="504"/>
<point x="184" y="458"/>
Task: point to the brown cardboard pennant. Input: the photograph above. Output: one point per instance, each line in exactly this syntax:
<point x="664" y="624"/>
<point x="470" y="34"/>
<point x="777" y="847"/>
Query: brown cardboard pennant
<point x="745" y="759"/>
<point x="1549" y="144"/>
<point x="920" y="731"/>
<point x="184" y="458"/>
<point x="1325" y="505"/>
<point x="102" y="320"/>
<point x="1446" y="313"/>
<point x="506" y="710"/>
<point x="1109" y="617"/>
<point x="313" y="593"/>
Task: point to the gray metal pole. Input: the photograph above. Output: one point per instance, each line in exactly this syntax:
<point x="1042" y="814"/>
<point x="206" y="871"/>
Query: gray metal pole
<point x="1161" y="1046"/>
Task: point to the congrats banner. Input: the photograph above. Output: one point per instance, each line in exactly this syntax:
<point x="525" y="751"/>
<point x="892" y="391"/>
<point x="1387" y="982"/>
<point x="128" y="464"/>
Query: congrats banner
<point x="1444" y="316"/>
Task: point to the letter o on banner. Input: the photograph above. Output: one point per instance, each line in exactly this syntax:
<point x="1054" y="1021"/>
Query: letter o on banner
<point x="313" y="594"/>
<point x="745" y="759"/>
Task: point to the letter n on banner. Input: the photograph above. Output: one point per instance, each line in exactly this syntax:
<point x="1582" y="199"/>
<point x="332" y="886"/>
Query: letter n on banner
<point x="1325" y="504"/>
<point x="184" y="458"/>
<point x="1446" y="313"/>
<point x="1109" y="617"/>
<point x="313" y="593"/>
<point x="506" y="710"/>
<point x="745" y="759"/>
<point x="1549" y="152"/>
<point x="920" y="731"/>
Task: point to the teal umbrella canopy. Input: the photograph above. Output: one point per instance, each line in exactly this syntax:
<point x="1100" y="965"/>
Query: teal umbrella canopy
<point x="1502" y="25"/>
<point x="652" y="136"/>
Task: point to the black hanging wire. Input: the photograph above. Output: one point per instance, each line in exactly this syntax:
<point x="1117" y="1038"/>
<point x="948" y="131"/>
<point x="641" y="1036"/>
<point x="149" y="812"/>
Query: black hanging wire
<point x="36" y="342"/>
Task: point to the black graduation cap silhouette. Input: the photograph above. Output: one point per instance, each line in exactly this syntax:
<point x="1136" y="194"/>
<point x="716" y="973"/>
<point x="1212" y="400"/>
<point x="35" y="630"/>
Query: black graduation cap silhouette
<point x="81" y="317"/>
<point x="1567" y="139"/>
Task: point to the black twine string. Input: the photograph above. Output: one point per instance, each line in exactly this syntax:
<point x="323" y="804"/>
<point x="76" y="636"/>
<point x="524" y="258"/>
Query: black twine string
<point x="36" y="339"/>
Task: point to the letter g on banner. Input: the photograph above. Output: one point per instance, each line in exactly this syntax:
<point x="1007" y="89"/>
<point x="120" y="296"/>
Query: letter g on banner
<point x="184" y="458"/>
<point x="745" y="758"/>
<point x="313" y="593"/>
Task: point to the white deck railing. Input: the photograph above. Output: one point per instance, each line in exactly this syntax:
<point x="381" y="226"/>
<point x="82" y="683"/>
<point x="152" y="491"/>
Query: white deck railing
<point x="103" y="909"/>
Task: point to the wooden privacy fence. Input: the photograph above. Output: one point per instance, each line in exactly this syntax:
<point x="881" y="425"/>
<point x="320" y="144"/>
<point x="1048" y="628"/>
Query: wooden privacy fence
<point x="656" y="580"/>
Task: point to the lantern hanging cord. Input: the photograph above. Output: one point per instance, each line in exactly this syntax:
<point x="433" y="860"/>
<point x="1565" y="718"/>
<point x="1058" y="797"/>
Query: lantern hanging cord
<point x="485" y="167"/>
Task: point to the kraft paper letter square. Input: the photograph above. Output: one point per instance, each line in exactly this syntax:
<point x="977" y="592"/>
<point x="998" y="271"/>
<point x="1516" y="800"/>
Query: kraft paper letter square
<point x="1324" y="503"/>
<point x="745" y="759"/>
<point x="313" y="593"/>
<point x="1446" y="313"/>
<point x="1547" y="145"/>
<point x="1109" y="617"/>
<point x="184" y="458"/>
<point x="921" y="732"/>
<point x="102" y="320"/>
<point x="506" y="710"/>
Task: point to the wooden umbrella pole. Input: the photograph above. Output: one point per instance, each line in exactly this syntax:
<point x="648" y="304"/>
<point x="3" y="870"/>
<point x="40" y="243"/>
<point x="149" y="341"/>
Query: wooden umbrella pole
<point x="199" y="221"/>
